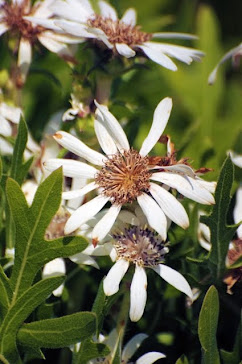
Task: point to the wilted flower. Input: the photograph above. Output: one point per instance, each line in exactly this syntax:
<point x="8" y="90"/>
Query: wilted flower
<point x="17" y="17"/>
<point x="125" y="176"/>
<point x="145" y="249"/>
<point x="121" y="36"/>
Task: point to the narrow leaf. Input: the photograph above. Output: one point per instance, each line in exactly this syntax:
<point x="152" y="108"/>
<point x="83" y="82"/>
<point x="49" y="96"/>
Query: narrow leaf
<point x="18" y="152"/>
<point x="6" y="293"/>
<point x="58" y="332"/>
<point x="221" y="233"/>
<point x="207" y="327"/>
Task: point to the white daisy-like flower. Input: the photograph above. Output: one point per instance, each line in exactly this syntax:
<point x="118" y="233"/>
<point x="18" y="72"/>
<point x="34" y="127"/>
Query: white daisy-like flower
<point x="126" y="176"/>
<point x="18" y="17"/>
<point x="145" y="249"/>
<point x="122" y="36"/>
<point x="9" y="120"/>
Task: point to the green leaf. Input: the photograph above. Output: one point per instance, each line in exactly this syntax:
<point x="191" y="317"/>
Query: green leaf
<point x="90" y="350"/>
<point x="20" y="310"/>
<point x="182" y="360"/>
<point x="32" y="250"/>
<point x="237" y="264"/>
<point x="207" y="327"/>
<point x="19" y="147"/>
<point x="58" y="332"/>
<point x="221" y="233"/>
<point x="6" y="293"/>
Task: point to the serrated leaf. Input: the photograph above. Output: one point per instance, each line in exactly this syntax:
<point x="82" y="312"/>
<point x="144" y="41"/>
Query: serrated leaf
<point x="19" y="311"/>
<point x="207" y="327"/>
<point x="90" y="350"/>
<point x="182" y="360"/>
<point x="221" y="233"/>
<point x="18" y="152"/>
<point x="32" y="250"/>
<point x="58" y="332"/>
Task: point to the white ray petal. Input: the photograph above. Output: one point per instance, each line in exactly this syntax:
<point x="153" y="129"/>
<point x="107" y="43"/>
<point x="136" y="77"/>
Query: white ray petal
<point x="210" y="186"/>
<point x="107" y="10"/>
<point x="24" y="57"/>
<point x="155" y="216"/>
<point x="138" y="294"/>
<point x="150" y="357"/>
<point x="55" y="268"/>
<point x="129" y="17"/>
<point x="53" y="45"/>
<point x="5" y="127"/>
<point x="238" y="211"/>
<point x="132" y="345"/>
<point x="173" y="35"/>
<point x="5" y="147"/>
<point x="180" y="168"/>
<point x="84" y="213"/>
<point x="81" y="258"/>
<point x="112" y="280"/>
<point x="170" y="206"/>
<point x="160" y="119"/>
<point x="128" y="218"/>
<point x="71" y="168"/>
<point x="105" y="140"/>
<point x="11" y="113"/>
<point x="69" y="195"/>
<point x="186" y="186"/>
<point x="46" y="23"/>
<point x="99" y="250"/>
<point x="75" y="29"/>
<point x="3" y="28"/>
<point x="174" y="278"/>
<point x="157" y="56"/>
<point x="124" y="50"/>
<point x="103" y="227"/>
<point x="73" y="10"/>
<point x="113" y="127"/>
<point x="236" y="158"/>
<point x="77" y="147"/>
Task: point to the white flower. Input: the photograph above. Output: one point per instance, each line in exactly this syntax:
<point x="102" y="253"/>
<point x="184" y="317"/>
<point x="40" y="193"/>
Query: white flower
<point x="9" y="119"/>
<point x="55" y="268"/>
<point x="236" y="158"/>
<point x="122" y="36"/>
<point x="125" y="176"/>
<point x="77" y="109"/>
<point x="232" y="53"/>
<point x="20" y="16"/>
<point x="143" y="248"/>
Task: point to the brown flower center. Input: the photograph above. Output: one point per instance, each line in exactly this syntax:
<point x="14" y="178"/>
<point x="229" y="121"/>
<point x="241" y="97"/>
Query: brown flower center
<point x="140" y="246"/>
<point x="119" y="32"/>
<point x="13" y="17"/>
<point x="124" y="177"/>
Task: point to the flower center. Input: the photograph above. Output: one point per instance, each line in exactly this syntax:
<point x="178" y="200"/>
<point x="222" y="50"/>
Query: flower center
<point x="119" y="32"/>
<point x="13" y="17"/>
<point x="140" y="246"/>
<point x="124" y="177"/>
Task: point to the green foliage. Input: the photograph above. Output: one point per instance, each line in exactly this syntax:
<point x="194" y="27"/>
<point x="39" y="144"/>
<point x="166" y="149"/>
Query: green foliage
<point x="207" y="327"/>
<point x="90" y="350"/>
<point x="182" y="360"/>
<point x="221" y="233"/>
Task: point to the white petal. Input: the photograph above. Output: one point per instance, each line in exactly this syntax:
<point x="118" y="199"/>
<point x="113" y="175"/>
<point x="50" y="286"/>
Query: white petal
<point x="129" y="17"/>
<point x="160" y="119"/>
<point x="173" y="35"/>
<point x="69" y="195"/>
<point x="236" y="158"/>
<point x="155" y="216"/>
<point x="157" y="56"/>
<point x="46" y="23"/>
<point x="138" y="294"/>
<point x="99" y="250"/>
<point x="77" y="184"/>
<point x="3" y="28"/>
<point x="24" y="57"/>
<point x="5" y="127"/>
<point x="131" y="346"/>
<point x="54" y="45"/>
<point x="5" y="147"/>
<point x="124" y="50"/>
<point x="75" y="29"/>
<point x="55" y="268"/>
<point x="186" y="186"/>
<point x="77" y="147"/>
<point x="81" y="258"/>
<point x="103" y="227"/>
<point x="238" y="211"/>
<point x="210" y="186"/>
<point x="10" y="113"/>
<point x="113" y="127"/>
<point x="170" y="206"/>
<point x="107" y="10"/>
<point x="84" y="213"/>
<point x="174" y="278"/>
<point x="128" y="218"/>
<point x="150" y="358"/>
<point x="180" y="169"/>
<point x="71" y="168"/>
<point x="105" y="140"/>
<point x="183" y="54"/>
<point x="112" y="280"/>
<point x="73" y="10"/>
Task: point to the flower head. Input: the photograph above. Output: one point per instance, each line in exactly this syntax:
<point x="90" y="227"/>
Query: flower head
<point x="122" y="36"/>
<point x="126" y="176"/>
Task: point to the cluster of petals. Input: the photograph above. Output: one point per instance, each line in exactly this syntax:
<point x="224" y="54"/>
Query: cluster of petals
<point x="156" y="202"/>
<point x="81" y="21"/>
<point x="19" y="16"/>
